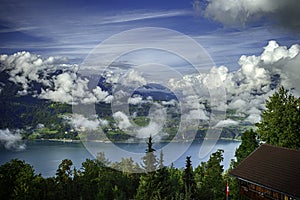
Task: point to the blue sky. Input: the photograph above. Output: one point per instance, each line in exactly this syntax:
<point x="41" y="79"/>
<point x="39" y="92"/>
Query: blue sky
<point x="73" y="28"/>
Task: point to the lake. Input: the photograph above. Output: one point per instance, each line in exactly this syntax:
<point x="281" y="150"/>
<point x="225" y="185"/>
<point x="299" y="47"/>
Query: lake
<point x="45" y="156"/>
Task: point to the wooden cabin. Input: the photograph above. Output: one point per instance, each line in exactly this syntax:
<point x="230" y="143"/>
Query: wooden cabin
<point x="269" y="173"/>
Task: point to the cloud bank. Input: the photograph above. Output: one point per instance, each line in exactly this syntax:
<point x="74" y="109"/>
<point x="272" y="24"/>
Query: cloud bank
<point x="247" y="88"/>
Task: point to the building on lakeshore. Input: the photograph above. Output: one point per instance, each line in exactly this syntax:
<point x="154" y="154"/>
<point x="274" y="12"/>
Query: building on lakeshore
<point x="269" y="173"/>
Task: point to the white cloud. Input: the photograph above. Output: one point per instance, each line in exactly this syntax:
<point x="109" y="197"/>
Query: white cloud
<point x="172" y="102"/>
<point x="135" y="100"/>
<point x="11" y="140"/>
<point x="122" y="120"/>
<point x="197" y="115"/>
<point x="238" y="104"/>
<point x="246" y="88"/>
<point x="242" y="12"/>
<point x="157" y="118"/>
<point x="82" y="123"/>
<point x="24" y="68"/>
<point x="102" y="96"/>
<point x="253" y="118"/>
<point x="152" y="129"/>
<point x="226" y="122"/>
<point x="133" y="79"/>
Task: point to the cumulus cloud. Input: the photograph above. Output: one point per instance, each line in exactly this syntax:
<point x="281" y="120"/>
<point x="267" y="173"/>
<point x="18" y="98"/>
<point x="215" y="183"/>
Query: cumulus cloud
<point x="158" y="117"/>
<point x="135" y="100"/>
<point x="11" y="140"/>
<point x="69" y="88"/>
<point x="25" y="68"/>
<point x="102" y="96"/>
<point x="253" y="118"/>
<point x="82" y="123"/>
<point x="196" y="115"/>
<point x="132" y="79"/>
<point x="241" y="12"/>
<point x="226" y="122"/>
<point x="122" y="119"/>
<point x="248" y="87"/>
<point x="153" y="129"/>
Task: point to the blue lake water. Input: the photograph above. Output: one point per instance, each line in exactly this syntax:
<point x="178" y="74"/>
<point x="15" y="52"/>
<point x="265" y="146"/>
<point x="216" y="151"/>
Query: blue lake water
<point x="45" y="156"/>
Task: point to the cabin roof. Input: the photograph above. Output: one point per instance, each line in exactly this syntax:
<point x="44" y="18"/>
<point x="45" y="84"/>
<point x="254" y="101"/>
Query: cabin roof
<point x="273" y="167"/>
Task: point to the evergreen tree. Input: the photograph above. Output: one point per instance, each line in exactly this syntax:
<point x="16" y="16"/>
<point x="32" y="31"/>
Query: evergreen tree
<point x="188" y="180"/>
<point x="209" y="176"/>
<point x="149" y="160"/>
<point x="88" y="178"/>
<point x="162" y="185"/>
<point x="146" y="187"/>
<point x="280" y="123"/>
<point x="248" y="145"/>
<point x="176" y="182"/>
<point x="64" y="179"/>
<point x="18" y="181"/>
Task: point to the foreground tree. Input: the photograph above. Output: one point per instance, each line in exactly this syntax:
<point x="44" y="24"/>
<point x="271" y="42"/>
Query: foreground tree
<point x="280" y="123"/>
<point x="188" y="180"/>
<point x="209" y="178"/>
<point x="149" y="160"/>
<point x="248" y="145"/>
<point x="18" y="181"/>
<point x="64" y="180"/>
<point x="146" y="187"/>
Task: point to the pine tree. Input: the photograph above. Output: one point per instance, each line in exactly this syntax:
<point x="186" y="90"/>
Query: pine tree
<point x="188" y="179"/>
<point x="146" y="187"/>
<point x="149" y="160"/>
<point x="64" y="179"/>
<point x="248" y="145"/>
<point x="280" y="123"/>
<point x="209" y="176"/>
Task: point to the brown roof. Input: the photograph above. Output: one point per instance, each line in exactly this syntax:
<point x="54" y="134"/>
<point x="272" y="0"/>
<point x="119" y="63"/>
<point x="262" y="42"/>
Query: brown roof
<point x="276" y="168"/>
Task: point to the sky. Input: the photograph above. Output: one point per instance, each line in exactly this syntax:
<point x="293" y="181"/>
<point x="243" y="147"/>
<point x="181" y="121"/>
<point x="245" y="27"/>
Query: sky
<point x="248" y="48"/>
<point x="73" y="28"/>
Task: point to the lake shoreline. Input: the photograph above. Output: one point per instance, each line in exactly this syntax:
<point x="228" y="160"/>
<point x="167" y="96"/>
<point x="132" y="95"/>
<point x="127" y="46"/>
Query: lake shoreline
<point x="64" y="140"/>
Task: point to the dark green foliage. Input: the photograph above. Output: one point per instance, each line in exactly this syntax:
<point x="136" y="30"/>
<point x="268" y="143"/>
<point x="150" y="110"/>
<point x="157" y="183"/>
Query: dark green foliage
<point x="161" y="184"/>
<point x="63" y="178"/>
<point x="209" y="178"/>
<point x="232" y="182"/>
<point x="146" y="185"/>
<point x="280" y="123"/>
<point x="18" y="181"/>
<point x="189" y="181"/>
<point x="100" y="179"/>
<point x="248" y="145"/>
